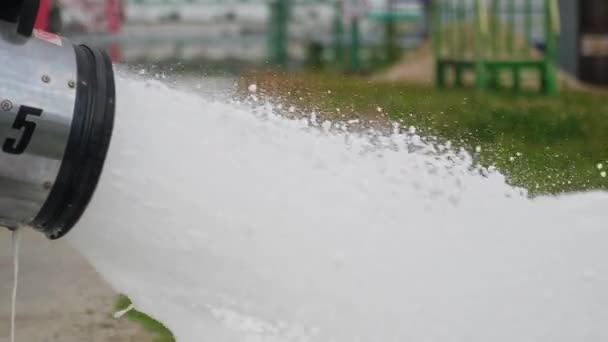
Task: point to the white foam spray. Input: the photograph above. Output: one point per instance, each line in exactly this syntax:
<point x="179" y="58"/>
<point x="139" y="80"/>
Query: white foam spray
<point x="229" y="223"/>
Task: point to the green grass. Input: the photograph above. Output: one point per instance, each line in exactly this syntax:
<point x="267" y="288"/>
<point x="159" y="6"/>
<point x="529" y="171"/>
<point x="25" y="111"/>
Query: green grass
<point x="160" y="332"/>
<point x="548" y="145"/>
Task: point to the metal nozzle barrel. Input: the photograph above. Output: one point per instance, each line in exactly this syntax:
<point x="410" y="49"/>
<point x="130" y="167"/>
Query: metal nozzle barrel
<point x="56" y="119"/>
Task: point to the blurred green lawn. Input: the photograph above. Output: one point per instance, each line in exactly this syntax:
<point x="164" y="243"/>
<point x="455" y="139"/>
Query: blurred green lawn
<point x="157" y="329"/>
<point x="546" y="144"/>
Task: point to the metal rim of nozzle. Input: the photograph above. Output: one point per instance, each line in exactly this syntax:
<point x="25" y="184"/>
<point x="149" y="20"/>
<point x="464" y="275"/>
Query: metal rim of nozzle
<point x="87" y="147"/>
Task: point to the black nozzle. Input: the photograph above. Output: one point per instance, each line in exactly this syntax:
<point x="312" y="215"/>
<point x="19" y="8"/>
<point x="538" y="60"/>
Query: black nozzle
<point x="87" y="147"/>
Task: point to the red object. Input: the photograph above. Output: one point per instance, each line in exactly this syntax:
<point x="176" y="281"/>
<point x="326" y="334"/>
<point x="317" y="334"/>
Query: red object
<point x="114" y="9"/>
<point x="114" y="18"/>
<point x="42" y="20"/>
<point x="115" y="52"/>
<point x="113" y="14"/>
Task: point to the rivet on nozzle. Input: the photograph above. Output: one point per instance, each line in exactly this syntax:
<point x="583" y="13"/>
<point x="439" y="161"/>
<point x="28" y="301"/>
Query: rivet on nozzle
<point x="71" y="84"/>
<point x="46" y="78"/>
<point x="6" y="105"/>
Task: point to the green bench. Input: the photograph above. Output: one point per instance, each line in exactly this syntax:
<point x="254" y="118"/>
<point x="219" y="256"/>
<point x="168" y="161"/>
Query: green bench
<point x="494" y="38"/>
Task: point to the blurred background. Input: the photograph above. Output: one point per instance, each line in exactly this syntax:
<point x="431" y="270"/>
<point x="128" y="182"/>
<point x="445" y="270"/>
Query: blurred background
<point x="522" y="81"/>
<point x="352" y="35"/>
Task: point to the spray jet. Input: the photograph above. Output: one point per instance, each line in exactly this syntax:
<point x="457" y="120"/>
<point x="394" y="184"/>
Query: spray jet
<point x="57" y="104"/>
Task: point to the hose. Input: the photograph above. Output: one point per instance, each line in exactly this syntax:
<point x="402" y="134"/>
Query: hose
<point x="10" y="10"/>
<point x="27" y="17"/>
<point x="22" y="12"/>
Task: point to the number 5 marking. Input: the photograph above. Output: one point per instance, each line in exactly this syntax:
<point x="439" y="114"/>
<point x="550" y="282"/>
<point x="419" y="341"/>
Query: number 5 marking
<point x="11" y="145"/>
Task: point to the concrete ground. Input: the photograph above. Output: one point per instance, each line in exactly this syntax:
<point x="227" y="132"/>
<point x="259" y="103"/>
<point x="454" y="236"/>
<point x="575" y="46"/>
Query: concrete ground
<point x="61" y="297"/>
